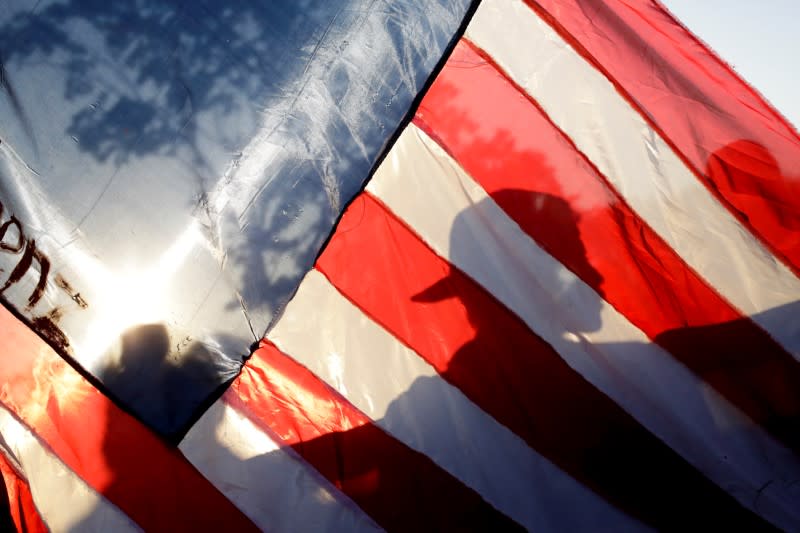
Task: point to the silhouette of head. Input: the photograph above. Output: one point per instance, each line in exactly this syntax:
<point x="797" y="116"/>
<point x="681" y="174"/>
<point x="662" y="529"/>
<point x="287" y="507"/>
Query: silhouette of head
<point x="742" y="159"/>
<point x="555" y="227"/>
<point x="749" y="178"/>
<point x="164" y="378"/>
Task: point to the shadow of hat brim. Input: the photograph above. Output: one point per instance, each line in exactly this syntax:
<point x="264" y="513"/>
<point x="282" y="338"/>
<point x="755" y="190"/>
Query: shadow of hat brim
<point x="439" y="291"/>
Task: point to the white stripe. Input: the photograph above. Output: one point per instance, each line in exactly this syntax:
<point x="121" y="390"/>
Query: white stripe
<point x="420" y="183"/>
<point x="640" y="165"/>
<point x="407" y="398"/>
<point x="274" y="488"/>
<point x="64" y="501"/>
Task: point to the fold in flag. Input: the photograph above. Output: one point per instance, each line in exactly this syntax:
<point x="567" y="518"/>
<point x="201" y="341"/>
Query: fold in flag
<point x="509" y="265"/>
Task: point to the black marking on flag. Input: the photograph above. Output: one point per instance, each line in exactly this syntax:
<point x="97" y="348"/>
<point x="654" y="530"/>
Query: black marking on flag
<point x="76" y="296"/>
<point x="46" y="326"/>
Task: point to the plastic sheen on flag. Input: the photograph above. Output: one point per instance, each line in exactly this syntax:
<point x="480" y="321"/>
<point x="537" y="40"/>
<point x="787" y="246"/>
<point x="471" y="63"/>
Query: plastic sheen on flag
<point x="410" y="265"/>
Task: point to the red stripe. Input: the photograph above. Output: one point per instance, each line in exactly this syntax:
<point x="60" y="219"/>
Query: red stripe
<point x="735" y="143"/>
<point x="112" y="452"/>
<point x="401" y="489"/>
<point x="18" y="505"/>
<point x="483" y="349"/>
<point x="531" y="170"/>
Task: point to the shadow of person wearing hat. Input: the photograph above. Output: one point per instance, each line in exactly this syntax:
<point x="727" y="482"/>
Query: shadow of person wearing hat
<point x="514" y="375"/>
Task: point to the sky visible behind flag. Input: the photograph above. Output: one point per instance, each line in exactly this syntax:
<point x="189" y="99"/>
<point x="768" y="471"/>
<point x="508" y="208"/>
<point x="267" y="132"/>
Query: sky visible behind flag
<point x="759" y="39"/>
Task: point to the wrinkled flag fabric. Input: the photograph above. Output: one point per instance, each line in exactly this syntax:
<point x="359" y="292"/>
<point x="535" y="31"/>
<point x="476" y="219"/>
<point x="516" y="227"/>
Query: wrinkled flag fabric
<point x="566" y="299"/>
<point x="172" y="170"/>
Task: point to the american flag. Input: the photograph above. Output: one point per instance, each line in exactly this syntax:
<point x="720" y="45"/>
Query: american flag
<point x="565" y="299"/>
